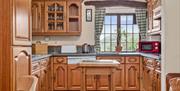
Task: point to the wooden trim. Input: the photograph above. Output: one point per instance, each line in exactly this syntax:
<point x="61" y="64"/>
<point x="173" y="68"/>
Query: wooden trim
<point x="110" y="3"/>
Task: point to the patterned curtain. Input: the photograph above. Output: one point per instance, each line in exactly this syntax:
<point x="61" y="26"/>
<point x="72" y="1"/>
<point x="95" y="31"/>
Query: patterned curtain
<point x="99" y="21"/>
<point x="141" y="19"/>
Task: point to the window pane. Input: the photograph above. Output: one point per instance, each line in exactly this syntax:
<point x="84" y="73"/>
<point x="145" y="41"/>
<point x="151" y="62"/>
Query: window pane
<point x="123" y="37"/>
<point x="123" y="44"/>
<point x="114" y="38"/>
<point x="123" y="28"/>
<point x="107" y="47"/>
<point x="113" y="46"/>
<point x="129" y="38"/>
<point x="102" y="46"/>
<point x="102" y="38"/>
<point x="107" y="19"/>
<point x="129" y="47"/>
<point x="114" y="29"/>
<point x="130" y="19"/>
<point x="136" y="29"/>
<point x="113" y="19"/>
<point x="136" y="37"/>
<point x="103" y="29"/>
<point x="135" y="46"/>
<point x="107" y="37"/>
<point x="123" y="19"/>
<point x="107" y="29"/>
<point x="129" y="28"/>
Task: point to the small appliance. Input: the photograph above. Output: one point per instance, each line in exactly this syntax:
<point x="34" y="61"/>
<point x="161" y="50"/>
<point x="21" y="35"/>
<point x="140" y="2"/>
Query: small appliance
<point x="150" y="46"/>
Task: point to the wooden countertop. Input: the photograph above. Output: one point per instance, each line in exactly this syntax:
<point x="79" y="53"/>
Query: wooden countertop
<point x="99" y="63"/>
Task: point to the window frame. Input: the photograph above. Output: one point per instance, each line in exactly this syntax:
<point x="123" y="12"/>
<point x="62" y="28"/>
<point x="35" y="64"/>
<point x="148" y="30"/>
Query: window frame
<point x="118" y="27"/>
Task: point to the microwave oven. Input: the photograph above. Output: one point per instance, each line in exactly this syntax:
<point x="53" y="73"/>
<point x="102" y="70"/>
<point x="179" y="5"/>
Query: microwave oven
<point x="150" y="46"/>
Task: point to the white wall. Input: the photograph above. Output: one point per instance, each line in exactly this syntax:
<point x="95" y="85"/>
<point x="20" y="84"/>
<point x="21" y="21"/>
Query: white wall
<point x="170" y="38"/>
<point x="87" y="34"/>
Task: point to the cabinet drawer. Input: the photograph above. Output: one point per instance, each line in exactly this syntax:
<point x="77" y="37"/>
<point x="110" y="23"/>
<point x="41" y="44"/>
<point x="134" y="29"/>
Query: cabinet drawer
<point x="132" y="59"/>
<point x="36" y="66"/>
<point x="119" y="59"/>
<point x="60" y="60"/>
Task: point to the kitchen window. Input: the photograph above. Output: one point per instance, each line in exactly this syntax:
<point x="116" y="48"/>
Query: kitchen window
<point x="129" y="33"/>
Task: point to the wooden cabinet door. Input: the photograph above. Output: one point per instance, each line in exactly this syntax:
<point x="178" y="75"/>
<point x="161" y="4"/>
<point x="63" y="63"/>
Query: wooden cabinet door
<point x="60" y="76"/>
<point x="120" y="77"/>
<point x="22" y="22"/>
<point x="37" y="23"/>
<point x="74" y="77"/>
<point x="91" y="82"/>
<point x="74" y="16"/>
<point x="102" y="82"/>
<point x="157" y="81"/>
<point x="44" y="80"/>
<point x="132" y="77"/>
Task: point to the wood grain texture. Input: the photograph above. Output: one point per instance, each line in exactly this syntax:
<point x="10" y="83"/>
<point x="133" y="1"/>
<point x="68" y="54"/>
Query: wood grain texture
<point x="5" y="45"/>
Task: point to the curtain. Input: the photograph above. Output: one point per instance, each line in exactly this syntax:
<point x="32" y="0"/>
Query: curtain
<point x="141" y="19"/>
<point x="99" y="21"/>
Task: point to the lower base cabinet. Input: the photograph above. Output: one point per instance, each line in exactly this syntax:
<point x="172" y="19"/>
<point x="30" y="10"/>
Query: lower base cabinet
<point x="74" y="77"/>
<point x="132" y="77"/>
<point x="41" y="69"/>
<point x="151" y="75"/>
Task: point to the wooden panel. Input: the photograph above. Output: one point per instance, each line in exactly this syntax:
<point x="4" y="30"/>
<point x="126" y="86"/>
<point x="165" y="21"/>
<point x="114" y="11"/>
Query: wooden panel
<point x="90" y="82"/>
<point x="22" y="22"/>
<point x="62" y="60"/>
<point x="120" y="77"/>
<point x="44" y="79"/>
<point x="37" y="16"/>
<point x="60" y="76"/>
<point x="132" y="59"/>
<point x="132" y="77"/>
<point x="74" y="77"/>
<point x="102" y="82"/>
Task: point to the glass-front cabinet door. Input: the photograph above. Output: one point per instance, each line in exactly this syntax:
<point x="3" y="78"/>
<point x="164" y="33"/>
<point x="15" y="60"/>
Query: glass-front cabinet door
<point x="55" y="16"/>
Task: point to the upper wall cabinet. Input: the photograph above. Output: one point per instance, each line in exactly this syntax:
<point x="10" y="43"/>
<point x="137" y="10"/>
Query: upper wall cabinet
<point x="60" y="17"/>
<point x="154" y="17"/>
<point x="74" y="16"/>
<point x="37" y="16"/>
<point x="22" y="22"/>
<point x="55" y="16"/>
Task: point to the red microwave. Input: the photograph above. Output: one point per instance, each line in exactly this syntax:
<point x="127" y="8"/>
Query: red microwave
<point x="150" y="46"/>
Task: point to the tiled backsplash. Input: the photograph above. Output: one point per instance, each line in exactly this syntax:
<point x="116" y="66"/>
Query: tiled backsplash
<point x="57" y="49"/>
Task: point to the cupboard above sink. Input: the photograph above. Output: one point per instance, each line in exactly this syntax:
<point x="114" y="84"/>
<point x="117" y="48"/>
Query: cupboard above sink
<point x="56" y="17"/>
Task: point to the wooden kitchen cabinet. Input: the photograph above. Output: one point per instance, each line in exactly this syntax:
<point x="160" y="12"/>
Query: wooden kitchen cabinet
<point x="132" y="77"/>
<point x="119" y="74"/>
<point x="53" y="18"/>
<point x="151" y="75"/>
<point x="40" y="69"/>
<point x="74" y="16"/>
<point x="21" y="22"/>
<point x="38" y="17"/>
<point x="60" y="73"/>
<point x="74" y="77"/>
